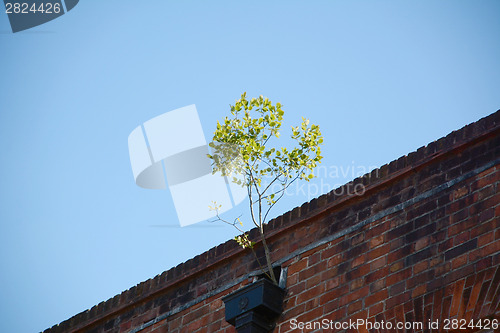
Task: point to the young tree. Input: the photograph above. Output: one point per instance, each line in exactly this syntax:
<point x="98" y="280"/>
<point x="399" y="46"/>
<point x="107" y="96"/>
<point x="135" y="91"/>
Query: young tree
<point x="242" y="150"/>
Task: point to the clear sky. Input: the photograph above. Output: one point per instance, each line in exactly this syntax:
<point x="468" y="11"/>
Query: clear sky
<point x="381" y="78"/>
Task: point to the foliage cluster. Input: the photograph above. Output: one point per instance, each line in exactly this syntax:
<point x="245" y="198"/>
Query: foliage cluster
<point x="243" y="151"/>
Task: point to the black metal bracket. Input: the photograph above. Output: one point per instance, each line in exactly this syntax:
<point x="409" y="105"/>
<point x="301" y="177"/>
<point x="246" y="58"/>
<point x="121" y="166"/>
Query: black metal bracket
<point x="255" y="307"/>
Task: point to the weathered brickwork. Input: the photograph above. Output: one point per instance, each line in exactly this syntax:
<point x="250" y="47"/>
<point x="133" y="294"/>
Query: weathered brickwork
<point x="422" y="243"/>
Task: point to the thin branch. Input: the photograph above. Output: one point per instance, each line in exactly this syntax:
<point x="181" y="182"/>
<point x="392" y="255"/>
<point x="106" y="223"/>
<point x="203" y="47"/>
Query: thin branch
<point x="234" y="224"/>
<point x="251" y="206"/>
<point x="271" y="206"/>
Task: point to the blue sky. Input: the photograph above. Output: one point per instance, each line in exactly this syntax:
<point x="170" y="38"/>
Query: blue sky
<point x="381" y="78"/>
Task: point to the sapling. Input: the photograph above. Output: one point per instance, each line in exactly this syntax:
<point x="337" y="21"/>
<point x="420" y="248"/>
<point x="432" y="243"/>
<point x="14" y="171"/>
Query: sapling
<point x="244" y="151"/>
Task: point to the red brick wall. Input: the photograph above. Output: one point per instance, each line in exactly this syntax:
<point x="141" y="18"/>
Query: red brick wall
<point x="422" y="243"/>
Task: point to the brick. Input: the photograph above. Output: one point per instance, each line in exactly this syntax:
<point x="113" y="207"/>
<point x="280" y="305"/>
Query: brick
<point x="484" y="251"/>
<point x="378" y="263"/>
<point x="481" y="298"/>
<point x="457" y="297"/>
<point x="294" y="312"/>
<point x="358" y="272"/>
<point x="213" y="327"/>
<point x="355" y="295"/>
<point x="192" y="315"/>
<point x="486" y="215"/>
<point x="292" y="279"/>
<point x="460" y="204"/>
<point x="378" y="252"/>
<point x="421" y="255"/>
<point x="418" y="279"/>
<point x="438" y="298"/>
<point x="443" y="269"/>
<point x="310" y="293"/>
<point x="484" y="193"/>
<point x="311" y="304"/>
<point x="376" y="275"/>
<point x="484" y="181"/>
<point x="418" y="291"/>
<point x="494" y="282"/>
<point x="313" y="281"/>
<point x="397" y="243"/>
<point x="459" y="273"/>
<point x="356" y="284"/>
<point x="376" y="297"/>
<point x="482" y="206"/>
<point x="418" y="309"/>
<point x="399" y="254"/>
<point x="461" y="238"/>
<point x="399" y="276"/>
<point x="459" y="193"/>
<point x="461" y="249"/>
<point x="422" y="209"/>
<point x="474" y="295"/>
<point x="484" y="264"/>
<point x="445" y="245"/>
<point x="482" y="229"/>
<point x="337" y="315"/>
<point x="396" y="300"/>
<point x="376" y="241"/>
<point x="334" y="261"/>
<point x="331" y="306"/>
<point x="400" y="231"/>
<point x="377" y="285"/>
<point x="377" y="230"/>
<point x="496" y="259"/>
<point x="354" y="307"/>
<point x="422" y="243"/>
<point x="459" y="216"/>
<point x="313" y="258"/>
<point x="334" y="250"/>
<point x="356" y="251"/>
<point x="459" y="261"/>
<point x="397" y="266"/>
<point x="333" y="294"/>
<point x="375" y="309"/>
<point x="357" y="239"/>
<point x="444" y="199"/>
<point x="420" y="266"/>
<point x="333" y="283"/>
<point x="297" y="288"/>
<point x="310" y="271"/>
<point x="397" y="288"/>
<point x="489" y="273"/>
<point x="312" y="315"/>
<point x="358" y="261"/>
<point x="196" y="324"/>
